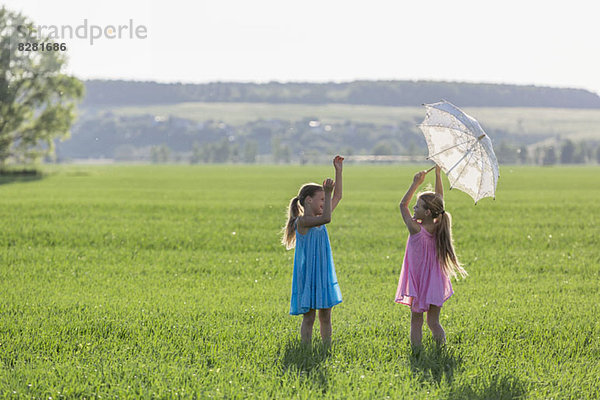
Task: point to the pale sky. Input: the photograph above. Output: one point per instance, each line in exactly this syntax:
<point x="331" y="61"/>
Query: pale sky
<point x="521" y="42"/>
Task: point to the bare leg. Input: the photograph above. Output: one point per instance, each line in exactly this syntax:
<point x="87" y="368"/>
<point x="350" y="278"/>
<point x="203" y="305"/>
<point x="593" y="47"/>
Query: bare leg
<point x="325" y="324"/>
<point x="433" y="320"/>
<point x="416" y="328"/>
<point x="307" y="326"/>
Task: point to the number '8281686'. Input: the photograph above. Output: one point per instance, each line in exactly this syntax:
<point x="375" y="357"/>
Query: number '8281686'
<point x="42" y="46"/>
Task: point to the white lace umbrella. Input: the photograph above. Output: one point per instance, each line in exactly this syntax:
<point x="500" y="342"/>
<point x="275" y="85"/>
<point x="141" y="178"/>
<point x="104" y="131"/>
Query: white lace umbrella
<point x="458" y="144"/>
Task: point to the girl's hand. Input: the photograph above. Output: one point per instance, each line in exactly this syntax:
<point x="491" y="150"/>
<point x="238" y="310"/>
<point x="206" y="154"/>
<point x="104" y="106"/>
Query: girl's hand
<point x="328" y="185"/>
<point x="438" y="169"/>
<point x="337" y="163"/>
<point x="419" y="177"/>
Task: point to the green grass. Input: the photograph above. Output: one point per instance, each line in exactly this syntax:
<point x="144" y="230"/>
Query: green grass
<point x="169" y="282"/>
<point x="576" y="124"/>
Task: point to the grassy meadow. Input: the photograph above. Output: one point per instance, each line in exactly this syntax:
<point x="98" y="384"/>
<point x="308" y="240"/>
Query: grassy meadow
<point x="170" y="282"/>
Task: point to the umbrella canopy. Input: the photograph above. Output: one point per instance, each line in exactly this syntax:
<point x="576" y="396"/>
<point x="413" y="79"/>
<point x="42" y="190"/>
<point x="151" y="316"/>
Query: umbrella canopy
<point x="458" y="144"/>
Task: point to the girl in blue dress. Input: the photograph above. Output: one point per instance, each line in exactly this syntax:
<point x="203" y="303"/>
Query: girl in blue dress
<point x="314" y="283"/>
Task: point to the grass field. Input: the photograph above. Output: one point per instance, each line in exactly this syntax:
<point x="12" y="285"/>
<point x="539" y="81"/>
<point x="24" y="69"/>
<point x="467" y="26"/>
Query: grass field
<point x="169" y="282"/>
<point x="576" y="124"/>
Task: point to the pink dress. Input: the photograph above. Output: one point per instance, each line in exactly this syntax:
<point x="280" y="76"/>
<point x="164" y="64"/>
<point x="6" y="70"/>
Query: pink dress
<point x="422" y="281"/>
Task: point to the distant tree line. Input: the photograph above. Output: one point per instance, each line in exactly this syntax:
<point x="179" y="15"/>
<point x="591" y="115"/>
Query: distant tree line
<point x="386" y="93"/>
<point x="168" y="139"/>
<point x="558" y="152"/>
<point x="566" y="152"/>
<point x="160" y="139"/>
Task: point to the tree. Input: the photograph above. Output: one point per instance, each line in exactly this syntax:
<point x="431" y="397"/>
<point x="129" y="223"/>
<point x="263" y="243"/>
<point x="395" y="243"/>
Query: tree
<point x="160" y="154"/>
<point x="250" y="151"/>
<point x="196" y="153"/>
<point x="280" y="152"/>
<point x="235" y="153"/>
<point x="412" y="148"/>
<point x="523" y="154"/>
<point x="580" y="155"/>
<point x="506" y="153"/>
<point x="567" y="152"/>
<point x="125" y="152"/>
<point x="285" y="154"/>
<point x="549" y="156"/>
<point x="37" y="101"/>
<point x="206" y="152"/>
<point x="221" y="151"/>
<point x="384" y="148"/>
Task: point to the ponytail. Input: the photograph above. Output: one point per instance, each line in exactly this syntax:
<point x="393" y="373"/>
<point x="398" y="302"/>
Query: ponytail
<point x="289" y="231"/>
<point x="443" y="235"/>
<point x="295" y="210"/>
<point x="445" y="247"/>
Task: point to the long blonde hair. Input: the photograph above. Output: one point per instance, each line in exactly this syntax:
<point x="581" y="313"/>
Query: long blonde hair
<point x="296" y="209"/>
<point x="443" y="235"/>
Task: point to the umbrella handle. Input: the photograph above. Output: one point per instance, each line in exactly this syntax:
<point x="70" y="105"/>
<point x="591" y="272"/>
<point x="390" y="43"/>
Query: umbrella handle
<point x="430" y="169"/>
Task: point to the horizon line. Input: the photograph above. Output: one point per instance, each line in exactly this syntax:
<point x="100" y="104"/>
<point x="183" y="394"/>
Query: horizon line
<point x="265" y="82"/>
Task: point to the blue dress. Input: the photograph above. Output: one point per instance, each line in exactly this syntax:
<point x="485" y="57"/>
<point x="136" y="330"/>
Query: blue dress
<point x="314" y="283"/>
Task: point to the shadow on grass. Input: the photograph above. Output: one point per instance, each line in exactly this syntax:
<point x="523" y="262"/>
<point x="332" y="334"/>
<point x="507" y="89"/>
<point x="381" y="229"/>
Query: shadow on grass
<point x="498" y="387"/>
<point x="435" y="362"/>
<point x="306" y="363"/>
<point x="16" y="175"/>
<point x="440" y="364"/>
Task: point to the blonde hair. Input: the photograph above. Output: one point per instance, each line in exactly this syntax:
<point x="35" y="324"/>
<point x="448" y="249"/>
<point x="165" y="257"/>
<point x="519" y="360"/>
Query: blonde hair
<point x="296" y="209"/>
<point x="443" y="235"/>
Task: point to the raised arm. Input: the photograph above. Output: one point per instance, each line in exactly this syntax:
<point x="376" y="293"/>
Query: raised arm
<point x="439" y="187"/>
<point x="337" y="191"/>
<point x="411" y="224"/>
<point x="309" y="221"/>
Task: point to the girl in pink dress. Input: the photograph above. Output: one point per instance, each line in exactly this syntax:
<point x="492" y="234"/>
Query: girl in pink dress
<point x="429" y="259"/>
